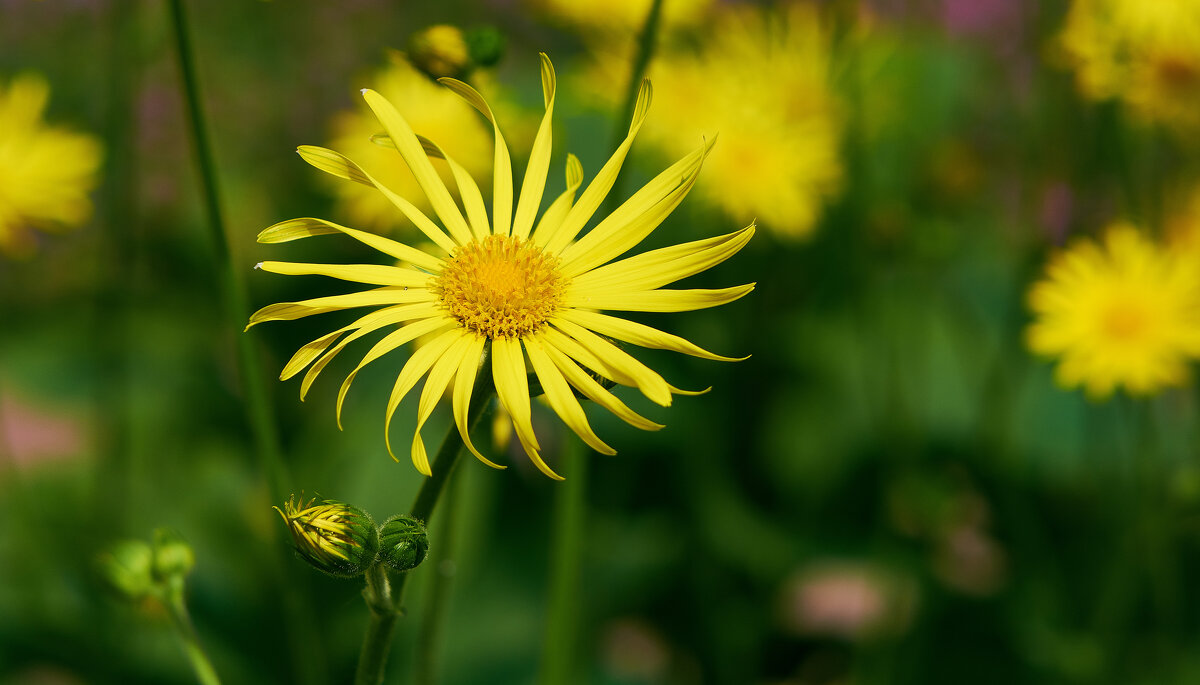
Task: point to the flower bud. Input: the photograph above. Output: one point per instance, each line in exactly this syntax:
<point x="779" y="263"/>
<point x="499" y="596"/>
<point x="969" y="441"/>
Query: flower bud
<point x="439" y="51"/>
<point x="126" y="569"/>
<point x="173" y="558"/>
<point x="334" y="537"/>
<point x="403" y="542"/>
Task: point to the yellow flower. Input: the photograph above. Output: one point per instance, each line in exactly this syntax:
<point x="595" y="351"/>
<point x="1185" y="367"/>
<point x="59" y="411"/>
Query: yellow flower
<point x="762" y="82"/>
<point x="433" y="112"/>
<point x="332" y="536"/>
<point x="622" y="16"/>
<point x="525" y="288"/>
<point x="1123" y="313"/>
<point x="1145" y="53"/>
<point x="46" y="172"/>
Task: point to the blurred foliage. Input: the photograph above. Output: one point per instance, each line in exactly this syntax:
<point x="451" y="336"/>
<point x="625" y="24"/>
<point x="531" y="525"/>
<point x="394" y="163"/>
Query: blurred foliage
<point x="890" y="490"/>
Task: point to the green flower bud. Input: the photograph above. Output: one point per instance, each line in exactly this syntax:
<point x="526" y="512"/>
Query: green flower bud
<point x="403" y="542"/>
<point x="485" y="45"/>
<point x="173" y="558"/>
<point x="439" y="51"/>
<point x="126" y="568"/>
<point x="334" y="537"/>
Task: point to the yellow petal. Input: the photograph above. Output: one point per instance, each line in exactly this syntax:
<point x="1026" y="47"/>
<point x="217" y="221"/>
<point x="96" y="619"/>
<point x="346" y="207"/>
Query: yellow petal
<point x="339" y="165"/>
<point x="656" y="268"/>
<point x="558" y="209"/>
<point x="658" y="300"/>
<point x="467" y="188"/>
<point x="420" y="311"/>
<point x="598" y="189"/>
<point x="435" y="385"/>
<point x="502" y="181"/>
<point x="463" y="385"/>
<point x="374" y="274"/>
<point x="414" y="369"/>
<point x="637" y="217"/>
<point x="288" y="311"/>
<point x="649" y="382"/>
<point x="595" y="392"/>
<point x="422" y="170"/>
<point x="295" y="229"/>
<point x="639" y="334"/>
<point x="561" y="399"/>
<point x="391" y="341"/>
<point x="539" y="159"/>
<point x="512" y="386"/>
<point x="365" y="324"/>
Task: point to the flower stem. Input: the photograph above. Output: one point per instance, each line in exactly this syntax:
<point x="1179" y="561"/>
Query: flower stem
<point x="641" y="62"/>
<point x="562" y="621"/>
<point x="205" y="673"/>
<point x="386" y="599"/>
<point x="300" y="623"/>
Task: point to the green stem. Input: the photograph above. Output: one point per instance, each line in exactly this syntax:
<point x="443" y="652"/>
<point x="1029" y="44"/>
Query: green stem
<point x="386" y="600"/>
<point x="562" y="621"/>
<point x="380" y="626"/>
<point x="641" y="62"/>
<point x="205" y="673"/>
<point x="300" y="624"/>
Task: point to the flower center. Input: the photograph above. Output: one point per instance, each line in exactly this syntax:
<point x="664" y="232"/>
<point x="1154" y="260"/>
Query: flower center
<point x="501" y="287"/>
<point x="1126" y="321"/>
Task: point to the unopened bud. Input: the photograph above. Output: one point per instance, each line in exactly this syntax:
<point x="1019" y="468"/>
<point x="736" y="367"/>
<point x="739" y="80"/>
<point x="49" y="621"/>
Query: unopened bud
<point x="439" y="51"/>
<point x="403" y="542"/>
<point x="173" y="558"/>
<point x="126" y="568"/>
<point x="334" y="537"/>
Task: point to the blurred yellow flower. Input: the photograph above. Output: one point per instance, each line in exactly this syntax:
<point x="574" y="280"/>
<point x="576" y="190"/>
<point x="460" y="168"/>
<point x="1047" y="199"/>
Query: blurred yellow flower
<point x="621" y="16"/>
<point x="434" y="113"/>
<point x="511" y="288"/>
<point x="1124" y="313"/>
<point x="761" y="82"/>
<point x="46" y="173"/>
<point x="1145" y="53"/>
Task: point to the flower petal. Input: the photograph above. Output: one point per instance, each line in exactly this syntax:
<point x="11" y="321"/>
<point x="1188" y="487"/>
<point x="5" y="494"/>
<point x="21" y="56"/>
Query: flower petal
<point x="512" y="386"/>
<point x="561" y="399"/>
<point x="502" y="181"/>
<point x="289" y="311"/>
<point x="659" y="300"/>
<point x="656" y="268"/>
<point x="439" y="377"/>
<point x="339" y="165"/>
<point x="637" y="217"/>
<point x="365" y="324"/>
<point x="422" y="169"/>
<point x="558" y="209"/>
<point x="595" y="392"/>
<point x="598" y="189"/>
<point x="374" y="274"/>
<point x="467" y="188"/>
<point x="391" y="341"/>
<point x="295" y="229"/>
<point x="414" y="369"/>
<point x="648" y="381"/>
<point x="534" y="184"/>
<point x="639" y="334"/>
<point x="464" y="383"/>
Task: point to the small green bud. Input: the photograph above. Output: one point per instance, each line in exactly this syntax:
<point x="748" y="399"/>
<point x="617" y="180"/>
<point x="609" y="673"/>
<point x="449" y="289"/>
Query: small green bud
<point x="173" y="558"/>
<point x="485" y="45"/>
<point x="126" y="568"/>
<point x="403" y="542"/>
<point x="332" y="536"/>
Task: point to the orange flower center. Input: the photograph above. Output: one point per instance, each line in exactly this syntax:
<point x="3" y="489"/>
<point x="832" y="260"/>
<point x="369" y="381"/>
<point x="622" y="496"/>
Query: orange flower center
<point x="502" y="287"/>
<point x="1126" y="321"/>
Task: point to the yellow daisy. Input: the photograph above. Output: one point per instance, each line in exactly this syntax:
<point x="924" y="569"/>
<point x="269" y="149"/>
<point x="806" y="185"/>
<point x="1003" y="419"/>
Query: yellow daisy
<point x="763" y="80"/>
<point x="530" y="291"/>
<point x="1145" y="53"/>
<point x="46" y="173"/>
<point x="431" y="110"/>
<point x="1123" y="313"/>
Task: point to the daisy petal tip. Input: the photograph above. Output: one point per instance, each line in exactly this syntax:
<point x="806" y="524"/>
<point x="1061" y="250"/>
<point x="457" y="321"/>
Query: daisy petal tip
<point x="258" y="267"/>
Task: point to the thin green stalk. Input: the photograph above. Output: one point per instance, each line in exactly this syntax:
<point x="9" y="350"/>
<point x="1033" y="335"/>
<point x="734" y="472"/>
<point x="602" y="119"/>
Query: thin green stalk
<point x="300" y="623"/>
<point x="386" y="599"/>
<point x="205" y="673"/>
<point x="425" y="666"/>
<point x="561" y="642"/>
<point x="641" y="62"/>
